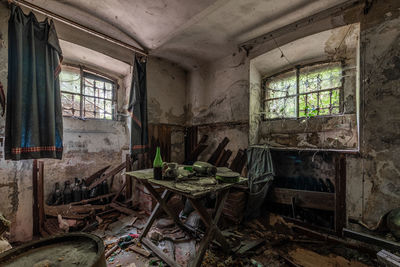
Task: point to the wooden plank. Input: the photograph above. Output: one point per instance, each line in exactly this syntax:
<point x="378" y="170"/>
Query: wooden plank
<point x="40" y="192"/>
<point x="388" y="259"/>
<point x="122" y="209"/>
<point x="304" y="199"/>
<point x="35" y="206"/>
<point x="196" y="152"/>
<point x="108" y="175"/>
<point x="370" y="239"/>
<point x="96" y="175"/>
<point x="139" y="250"/>
<point x="119" y="192"/>
<point x="73" y="212"/>
<point x="214" y="157"/>
<point x="223" y="160"/>
<point x="159" y="253"/>
<point x="249" y="245"/>
<point x="239" y="161"/>
<point x="86" y="201"/>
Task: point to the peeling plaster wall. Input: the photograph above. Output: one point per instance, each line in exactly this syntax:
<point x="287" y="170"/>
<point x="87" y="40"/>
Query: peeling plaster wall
<point x="88" y="146"/>
<point x="378" y="168"/>
<point x="91" y="144"/>
<point x="335" y="132"/>
<point x="166" y="92"/>
<point x="219" y="103"/>
<point x="372" y="176"/>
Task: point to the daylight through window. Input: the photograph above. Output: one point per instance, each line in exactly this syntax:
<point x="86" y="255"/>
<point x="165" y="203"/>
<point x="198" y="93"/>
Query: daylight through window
<point x="309" y="91"/>
<point x="95" y="100"/>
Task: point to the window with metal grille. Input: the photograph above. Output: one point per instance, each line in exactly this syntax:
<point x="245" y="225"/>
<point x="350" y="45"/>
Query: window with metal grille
<point x="305" y="91"/>
<point x="86" y="95"/>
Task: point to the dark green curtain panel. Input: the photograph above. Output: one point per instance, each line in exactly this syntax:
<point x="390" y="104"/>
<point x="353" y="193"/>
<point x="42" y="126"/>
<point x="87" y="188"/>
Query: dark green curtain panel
<point x="33" y="119"/>
<point x="138" y="109"/>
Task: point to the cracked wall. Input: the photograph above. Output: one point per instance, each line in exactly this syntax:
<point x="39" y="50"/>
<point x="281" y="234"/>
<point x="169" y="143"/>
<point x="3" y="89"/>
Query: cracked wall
<point x="218" y="99"/>
<point x="335" y="132"/>
<point x="372" y="175"/>
<point x="89" y="144"/>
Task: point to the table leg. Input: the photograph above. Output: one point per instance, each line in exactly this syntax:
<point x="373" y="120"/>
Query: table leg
<point x="153" y="215"/>
<point x="164" y="206"/>
<point x="208" y="237"/>
<point x="212" y="230"/>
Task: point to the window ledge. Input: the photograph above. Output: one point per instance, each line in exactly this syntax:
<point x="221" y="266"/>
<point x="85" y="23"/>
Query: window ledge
<point x="310" y="118"/>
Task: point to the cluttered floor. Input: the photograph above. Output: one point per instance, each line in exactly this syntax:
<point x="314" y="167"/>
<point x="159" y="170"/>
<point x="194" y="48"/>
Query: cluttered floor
<point x="261" y="242"/>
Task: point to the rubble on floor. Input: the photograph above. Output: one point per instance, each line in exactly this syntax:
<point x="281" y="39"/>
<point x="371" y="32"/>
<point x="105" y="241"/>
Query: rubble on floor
<point x="255" y="243"/>
<point x="4" y="226"/>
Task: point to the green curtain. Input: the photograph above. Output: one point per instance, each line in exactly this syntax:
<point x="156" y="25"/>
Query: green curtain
<point x="33" y="117"/>
<point x="137" y="107"/>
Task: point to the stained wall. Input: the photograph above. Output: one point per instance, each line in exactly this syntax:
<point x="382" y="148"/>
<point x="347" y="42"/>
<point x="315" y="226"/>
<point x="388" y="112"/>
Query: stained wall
<point x="89" y="144"/>
<point x="373" y="172"/>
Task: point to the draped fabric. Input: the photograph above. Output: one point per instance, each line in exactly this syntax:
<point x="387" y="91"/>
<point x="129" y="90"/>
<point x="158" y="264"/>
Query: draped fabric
<point x="261" y="175"/>
<point x="137" y="108"/>
<point x="33" y="113"/>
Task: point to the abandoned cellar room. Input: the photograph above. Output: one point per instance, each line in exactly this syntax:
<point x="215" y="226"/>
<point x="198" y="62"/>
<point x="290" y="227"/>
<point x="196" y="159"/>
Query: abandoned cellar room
<point x="199" y="133"/>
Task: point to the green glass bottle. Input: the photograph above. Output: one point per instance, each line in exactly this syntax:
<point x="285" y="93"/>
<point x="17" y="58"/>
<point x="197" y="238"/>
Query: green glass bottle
<point x="157" y="165"/>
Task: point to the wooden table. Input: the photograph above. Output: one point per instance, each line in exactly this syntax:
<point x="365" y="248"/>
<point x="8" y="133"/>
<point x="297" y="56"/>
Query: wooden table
<point x="193" y="190"/>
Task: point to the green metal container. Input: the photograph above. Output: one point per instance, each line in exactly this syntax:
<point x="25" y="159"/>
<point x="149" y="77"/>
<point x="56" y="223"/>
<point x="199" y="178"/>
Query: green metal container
<point x="74" y="249"/>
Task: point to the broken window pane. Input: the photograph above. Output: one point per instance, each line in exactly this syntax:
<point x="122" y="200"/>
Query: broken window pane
<point x="70" y="81"/>
<point x="282" y="108"/>
<point x="320" y="77"/>
<point x="281" y="86"/>
<point x="319" y="91"/>
<point x="96" y="98"/>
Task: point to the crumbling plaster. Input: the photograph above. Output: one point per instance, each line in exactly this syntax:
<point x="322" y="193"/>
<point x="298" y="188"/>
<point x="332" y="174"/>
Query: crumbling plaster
<point x="336" y="132"/>
<point x="89" y="144"/>
<point x="372" y="175"/>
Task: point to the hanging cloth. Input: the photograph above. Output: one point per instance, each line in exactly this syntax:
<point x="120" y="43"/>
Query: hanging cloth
<point x="261" y="175"/>
<point x="33" y="117"/>
<point x="137" y="108"/>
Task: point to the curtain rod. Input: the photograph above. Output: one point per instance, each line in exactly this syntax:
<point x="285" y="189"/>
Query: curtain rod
<point x="80" y="26"/>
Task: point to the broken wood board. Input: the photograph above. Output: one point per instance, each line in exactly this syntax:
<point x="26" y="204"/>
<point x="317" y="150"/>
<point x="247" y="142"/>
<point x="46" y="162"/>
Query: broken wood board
<point x="248" y="245"/>
<point x="96" y="175"/>
<point x="388" y="259"/>
<point x="308" y="258"/>
<point x="122" y="209"/>
<point x="108" y="175"/>
<point x="72" y="212"/>
<point x="139" y="250"/>
<point x="85" y="201"/>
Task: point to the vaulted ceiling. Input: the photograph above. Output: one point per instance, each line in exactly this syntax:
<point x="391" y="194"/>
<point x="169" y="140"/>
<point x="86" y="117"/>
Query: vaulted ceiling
<point x="189" y="32"/>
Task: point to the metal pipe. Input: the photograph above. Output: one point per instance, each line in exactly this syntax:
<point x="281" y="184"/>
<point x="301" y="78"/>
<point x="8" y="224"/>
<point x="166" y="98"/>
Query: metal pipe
<point x="80" y="27"/>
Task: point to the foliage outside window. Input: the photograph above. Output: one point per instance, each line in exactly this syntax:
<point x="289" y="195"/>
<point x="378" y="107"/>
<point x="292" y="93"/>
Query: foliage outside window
<point x="93" y="100"/>
<point x="309" y="91"/>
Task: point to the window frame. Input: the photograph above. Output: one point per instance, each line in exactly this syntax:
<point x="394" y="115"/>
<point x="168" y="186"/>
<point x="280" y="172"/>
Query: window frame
<point x="297" y="69"/>
<point x="82" y="70"/>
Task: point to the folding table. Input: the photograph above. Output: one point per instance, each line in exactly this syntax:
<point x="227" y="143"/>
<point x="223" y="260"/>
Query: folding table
<point x="193" y="190"/>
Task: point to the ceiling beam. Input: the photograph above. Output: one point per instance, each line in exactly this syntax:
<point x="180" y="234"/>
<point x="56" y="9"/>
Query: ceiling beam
<point x="299" y="24"/>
